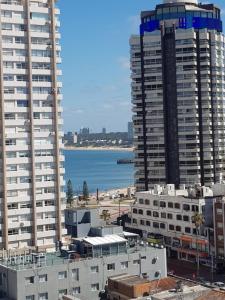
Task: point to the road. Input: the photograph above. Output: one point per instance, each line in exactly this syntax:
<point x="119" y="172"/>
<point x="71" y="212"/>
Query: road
<point x="188" y="270"/>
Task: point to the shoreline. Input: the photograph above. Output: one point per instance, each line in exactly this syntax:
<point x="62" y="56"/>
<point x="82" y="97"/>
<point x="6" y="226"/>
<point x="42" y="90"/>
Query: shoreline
<point x="74" y="148"/>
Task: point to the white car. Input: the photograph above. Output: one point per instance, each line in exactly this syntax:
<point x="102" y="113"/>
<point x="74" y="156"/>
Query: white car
<point x="219" y="284"/>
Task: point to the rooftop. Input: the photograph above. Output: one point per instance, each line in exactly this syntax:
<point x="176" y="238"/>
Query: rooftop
<point x="108" y="239"/>
<point x="129" y="280"/>
<point x="26" y="260"/>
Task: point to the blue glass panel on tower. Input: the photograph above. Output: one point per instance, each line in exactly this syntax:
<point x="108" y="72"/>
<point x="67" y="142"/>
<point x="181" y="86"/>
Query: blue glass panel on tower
<point x="209" y="23"/>
<point x="149" y="26"/>
<point x="185" y="23"/>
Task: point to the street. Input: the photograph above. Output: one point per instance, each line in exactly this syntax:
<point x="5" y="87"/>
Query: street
<point x="188" y="270"/>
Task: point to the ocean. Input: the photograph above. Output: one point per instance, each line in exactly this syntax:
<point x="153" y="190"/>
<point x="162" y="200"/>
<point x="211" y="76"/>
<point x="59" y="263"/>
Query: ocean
<point x="99" y="169"/>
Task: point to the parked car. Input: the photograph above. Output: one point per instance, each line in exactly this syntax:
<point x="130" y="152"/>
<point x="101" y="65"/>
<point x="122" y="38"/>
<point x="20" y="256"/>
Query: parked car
<point x="219" y="284"/>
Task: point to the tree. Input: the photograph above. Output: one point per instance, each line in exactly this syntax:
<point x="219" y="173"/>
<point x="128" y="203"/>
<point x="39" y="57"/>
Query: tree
<point x="198" y="220"/>
<point x="85" y="191"/>
<point x="69" y="192"/>
<point x="105" y="215"/>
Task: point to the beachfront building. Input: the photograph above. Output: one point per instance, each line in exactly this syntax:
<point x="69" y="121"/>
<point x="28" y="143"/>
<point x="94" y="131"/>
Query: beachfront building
<point x="165" y="216"/>
<point x="177" y="65"/>
<point x="31" y="162"/>
<point x="81" y="272"/>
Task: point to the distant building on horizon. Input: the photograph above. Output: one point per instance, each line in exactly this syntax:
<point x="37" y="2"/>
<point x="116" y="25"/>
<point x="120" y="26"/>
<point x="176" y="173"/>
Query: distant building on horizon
<point x="178" y="81"/>
<point x="104" y="130"/>
<point x="85" y="131"/>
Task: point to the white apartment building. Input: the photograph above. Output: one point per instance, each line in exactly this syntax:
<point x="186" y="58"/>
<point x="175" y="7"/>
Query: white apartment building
<point x="164" y="215"/>
<point x="177" y="65"/>
<point x="31" y="162"/>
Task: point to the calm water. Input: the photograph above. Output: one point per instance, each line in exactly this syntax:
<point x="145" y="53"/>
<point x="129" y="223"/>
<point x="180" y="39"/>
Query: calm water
<point x="99" y="169"/>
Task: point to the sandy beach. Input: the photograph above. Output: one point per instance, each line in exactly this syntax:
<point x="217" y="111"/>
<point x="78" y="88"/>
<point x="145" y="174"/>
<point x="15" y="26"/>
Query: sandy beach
<point x="99" y="148"/>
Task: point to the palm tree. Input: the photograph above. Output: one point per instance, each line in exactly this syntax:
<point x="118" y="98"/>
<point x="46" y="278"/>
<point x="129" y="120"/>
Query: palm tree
<point x="105" y="215"/>
<point x="198" y="220"/>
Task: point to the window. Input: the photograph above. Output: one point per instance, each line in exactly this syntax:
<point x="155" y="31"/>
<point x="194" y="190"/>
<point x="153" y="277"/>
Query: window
<point x="177" y="205"/>
<point x="220" y="237"/>
<point x="43" y="296"/>
<point x="178" y="228"/>
<point x="195" y="208"/>
<point x="219" y="211"/>
<point x="162" y="226"/>
<point x="156" y="203"/>
<point x="171" y="227"/>
<point x="10" y="142"/>
<point x="187" y="229"/>
<point x="62" y="275"/>
<point x="30" y="297"/>
<point x="163" y="215"/>
<point x="95" y="287"/>
<point x="142" y="222"/>
<point x="147" y="202"/>
<point x="148" y="223"/>
<point x="186" y="218"/>
<point x="136" y="262"/>
<point x="12" y="168"/>
<point x="6" y="26"/>
<point x="155" y="225"/>
<point x="134" y="211"/>
<point x="219" y="225"/>
<point x="170" y="204"/>
<point x="11" y="180"/>
<point x="140" y="211"/>
<point x="170" y="216"/>
<point x="22" y="103"/>
<point x="94" y="269"/>
<point x="124" y="265"/>
<point x="155" y="214"/>
<point x="148" y="213"/>
<point x="179" y="217"/>
<point x="162" y="204"/>
<point x="186" y="207"/>
<point x="43" y="278"/>
<point x="110" y="267"/>
<point x="62" y="293"/>
<point x="76" y="290"/>
<point x="15" y="232"/>
<point x="29" y="280"/>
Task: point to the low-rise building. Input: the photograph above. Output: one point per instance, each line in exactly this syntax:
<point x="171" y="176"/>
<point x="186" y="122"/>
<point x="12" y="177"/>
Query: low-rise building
<point x="81" y="272"/>
<point x="126" y="287"/>
<point x="165" y="216"/>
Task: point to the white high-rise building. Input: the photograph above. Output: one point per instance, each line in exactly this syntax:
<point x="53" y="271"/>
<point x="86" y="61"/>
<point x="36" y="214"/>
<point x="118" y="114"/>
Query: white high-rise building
<point x="32" y="197"/>
<point x="178" y="90"/>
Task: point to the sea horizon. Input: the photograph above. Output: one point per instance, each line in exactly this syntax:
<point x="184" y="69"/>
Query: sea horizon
<point x="99" y="169"/>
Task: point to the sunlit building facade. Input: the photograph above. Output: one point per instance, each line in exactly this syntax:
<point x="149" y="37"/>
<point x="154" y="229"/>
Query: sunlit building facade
<point x="32" y="196"/>
<point x="178" y="90"/>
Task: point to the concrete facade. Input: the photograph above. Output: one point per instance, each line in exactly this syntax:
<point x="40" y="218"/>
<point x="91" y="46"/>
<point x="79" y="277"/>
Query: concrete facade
<point x="177" y="94"/>
<point x="81" y="278"/>
<point x="164" y="216"/>
<point x="32" y="197"/>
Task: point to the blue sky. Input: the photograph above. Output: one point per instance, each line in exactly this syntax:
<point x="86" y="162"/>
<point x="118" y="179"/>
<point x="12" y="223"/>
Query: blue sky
<point x="95" y="52"/>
